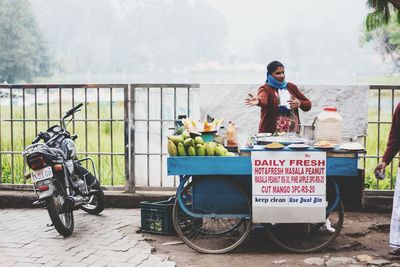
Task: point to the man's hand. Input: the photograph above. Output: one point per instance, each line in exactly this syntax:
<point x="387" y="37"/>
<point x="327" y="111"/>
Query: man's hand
<point x="251" y="100"/>
<point x="294" y="102"/>
<point x="380" y="170"/>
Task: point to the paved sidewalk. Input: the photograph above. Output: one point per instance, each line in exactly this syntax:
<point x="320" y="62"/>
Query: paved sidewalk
<point x="109" y="239"/>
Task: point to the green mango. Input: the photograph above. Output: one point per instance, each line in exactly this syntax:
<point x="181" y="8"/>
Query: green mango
<point x="172" y="150"/>
<point x="185" y="135"/>
<point x="191" y="151"/>
<point x="201" y="150"/>
<point x="176" y="139"/>
<point x="210" y="148"/>
<point x="222" y="148"/>
<point x="219" y="151"/>
<point x="198" y="140"/>
<point x="181" y="150"/>
<point x="188" y="142"/>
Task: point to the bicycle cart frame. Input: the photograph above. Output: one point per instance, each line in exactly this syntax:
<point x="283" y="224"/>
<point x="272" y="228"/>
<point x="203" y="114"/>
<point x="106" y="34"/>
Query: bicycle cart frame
<point x="210" y="176"/>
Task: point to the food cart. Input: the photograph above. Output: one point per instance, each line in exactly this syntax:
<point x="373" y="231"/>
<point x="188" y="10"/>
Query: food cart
<point x="214" y="205"/>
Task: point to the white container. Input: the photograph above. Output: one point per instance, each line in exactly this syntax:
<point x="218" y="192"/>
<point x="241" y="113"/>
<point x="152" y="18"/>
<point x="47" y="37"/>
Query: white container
<point x="329" y="126"/>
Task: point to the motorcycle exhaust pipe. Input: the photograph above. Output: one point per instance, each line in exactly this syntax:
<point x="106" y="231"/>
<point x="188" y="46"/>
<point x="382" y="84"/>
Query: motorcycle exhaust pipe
<point x="74" y="201"/>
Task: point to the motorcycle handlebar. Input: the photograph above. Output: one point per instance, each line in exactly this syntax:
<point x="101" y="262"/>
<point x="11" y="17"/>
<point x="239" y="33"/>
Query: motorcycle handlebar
<point x="73" y="110"/>
<point x="77" y="107"/>
<point x="37" y="138"/>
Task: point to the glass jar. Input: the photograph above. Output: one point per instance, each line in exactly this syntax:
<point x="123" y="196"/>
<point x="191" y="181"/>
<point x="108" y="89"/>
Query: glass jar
<point x="329" y="126"/>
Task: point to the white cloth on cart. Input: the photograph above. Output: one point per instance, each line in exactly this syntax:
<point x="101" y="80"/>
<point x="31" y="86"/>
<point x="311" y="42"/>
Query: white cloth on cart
<point x="394" y="240"/>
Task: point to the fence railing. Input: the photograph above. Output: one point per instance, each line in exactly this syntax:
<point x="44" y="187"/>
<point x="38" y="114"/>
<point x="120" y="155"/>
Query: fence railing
<point x="124" y="127"/>
<point x="26" y="110"/>
<point x="382" y="101"/>
<point x="154" y="110"/>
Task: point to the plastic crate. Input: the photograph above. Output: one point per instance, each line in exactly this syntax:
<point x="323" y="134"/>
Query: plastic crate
<point x="157" y="216"/>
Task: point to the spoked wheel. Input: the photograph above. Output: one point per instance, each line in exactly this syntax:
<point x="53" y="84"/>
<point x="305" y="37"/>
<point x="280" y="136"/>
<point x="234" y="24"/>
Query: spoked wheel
<point x="62" y="220"/>
<point x="212" y="215"/>
<point x="311" y="237"/>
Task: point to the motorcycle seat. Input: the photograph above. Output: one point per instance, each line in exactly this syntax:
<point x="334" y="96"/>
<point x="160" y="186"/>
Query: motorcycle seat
<point x="58" y="151"/>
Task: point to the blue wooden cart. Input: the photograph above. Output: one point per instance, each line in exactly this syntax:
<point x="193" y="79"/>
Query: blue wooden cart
<point x="212" y="210"/>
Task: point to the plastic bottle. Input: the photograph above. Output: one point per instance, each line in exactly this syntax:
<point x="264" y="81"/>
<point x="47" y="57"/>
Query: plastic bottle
<point x="329" y="126"/>
<point x="231" y="135"/>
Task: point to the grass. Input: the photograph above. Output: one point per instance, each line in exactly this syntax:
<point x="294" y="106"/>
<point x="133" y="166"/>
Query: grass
<point x="111" y="170"/>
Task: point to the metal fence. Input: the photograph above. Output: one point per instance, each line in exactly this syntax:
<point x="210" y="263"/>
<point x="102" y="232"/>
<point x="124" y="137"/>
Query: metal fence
<point x="382" y="101"/>
<point x="26" y="110"/>
<point x="124" y="127"/>
<point x="154" y="110"/>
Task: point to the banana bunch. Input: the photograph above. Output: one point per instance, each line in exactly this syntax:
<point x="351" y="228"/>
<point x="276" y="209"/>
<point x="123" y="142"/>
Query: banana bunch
<point x="184" y="145"/>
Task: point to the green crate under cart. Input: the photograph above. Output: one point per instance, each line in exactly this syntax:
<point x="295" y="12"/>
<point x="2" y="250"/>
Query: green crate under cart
<point x="157" y="216"/>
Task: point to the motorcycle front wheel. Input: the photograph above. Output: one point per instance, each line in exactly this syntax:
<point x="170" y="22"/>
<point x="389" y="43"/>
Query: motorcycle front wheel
<point x="96" y="203"/>
<point x="62" y="220"/>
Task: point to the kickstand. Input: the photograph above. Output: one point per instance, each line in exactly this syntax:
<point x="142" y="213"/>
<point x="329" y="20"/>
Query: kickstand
<point x="50" y="225"/>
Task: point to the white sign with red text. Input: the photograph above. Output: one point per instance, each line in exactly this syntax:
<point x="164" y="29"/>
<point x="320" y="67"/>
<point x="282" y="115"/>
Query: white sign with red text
<point x="288" y="187"/>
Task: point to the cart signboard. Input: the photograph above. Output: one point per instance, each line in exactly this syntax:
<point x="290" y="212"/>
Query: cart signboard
<point x="288" y="186"/>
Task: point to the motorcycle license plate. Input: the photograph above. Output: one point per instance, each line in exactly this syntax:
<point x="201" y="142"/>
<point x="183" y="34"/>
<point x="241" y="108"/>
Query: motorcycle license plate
<point x="42" y="174"/>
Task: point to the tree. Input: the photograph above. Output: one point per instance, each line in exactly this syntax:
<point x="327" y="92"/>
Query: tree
<point x="383" y="28"/>
<point x="387" y="42"/>
<point x="23" y="54"/>
<point x="383" y="10"/>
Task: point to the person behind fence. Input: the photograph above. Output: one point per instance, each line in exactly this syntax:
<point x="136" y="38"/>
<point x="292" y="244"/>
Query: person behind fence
<point x="279" y="102"/>
<point x="392" y="148"/>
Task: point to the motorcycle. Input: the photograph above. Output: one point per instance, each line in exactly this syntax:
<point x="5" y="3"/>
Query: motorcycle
<point x="60" y="182"/>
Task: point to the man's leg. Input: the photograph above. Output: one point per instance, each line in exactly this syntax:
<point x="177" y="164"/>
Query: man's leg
<point x="394" y="240"/>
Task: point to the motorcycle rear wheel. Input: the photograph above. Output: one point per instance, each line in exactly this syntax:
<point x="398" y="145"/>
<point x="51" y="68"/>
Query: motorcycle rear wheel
<point x="96" y="204"/>
<point x="62" y="220"/>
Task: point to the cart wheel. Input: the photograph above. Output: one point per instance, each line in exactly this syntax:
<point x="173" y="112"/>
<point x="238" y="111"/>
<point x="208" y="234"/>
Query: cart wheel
<point x="309" y="237"/>
<point x="209" y="221"/>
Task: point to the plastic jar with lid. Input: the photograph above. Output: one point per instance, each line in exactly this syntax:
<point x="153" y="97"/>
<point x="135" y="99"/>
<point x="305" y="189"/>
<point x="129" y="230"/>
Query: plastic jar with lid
<point x="231" y="136"/>
<point x="329" y="126"/>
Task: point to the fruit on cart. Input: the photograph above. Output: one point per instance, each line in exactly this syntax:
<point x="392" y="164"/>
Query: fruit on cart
<point x="176" y="138"/>
<point x="198" y="140"/>
<point x="210" y="148"/>
<point x="201" y="150"/>
<point x="224" y="149"/>
<point x="181" y="150"/>
<point x="172" y="150"/>
<point x="229" y="154"/>
<point x="185" y="134"/>
<point x="219" y="151"/>
<point x="188" y="142"/>
<point x="180" y="146"/>
<point x="191" y="151"/>
<point x="179" y="130"/>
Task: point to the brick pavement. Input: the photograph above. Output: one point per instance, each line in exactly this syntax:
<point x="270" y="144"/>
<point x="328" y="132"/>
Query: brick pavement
<point x="109" y="239"/>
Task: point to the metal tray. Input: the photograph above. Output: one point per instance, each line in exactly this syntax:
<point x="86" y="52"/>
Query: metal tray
<point x="284" y="140"/>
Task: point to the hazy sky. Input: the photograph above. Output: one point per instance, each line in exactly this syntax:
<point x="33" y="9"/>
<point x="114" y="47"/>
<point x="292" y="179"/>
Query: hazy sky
<point x="317" y="40"/>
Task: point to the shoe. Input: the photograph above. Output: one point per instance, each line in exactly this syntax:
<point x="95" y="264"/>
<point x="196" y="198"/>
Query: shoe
<point x="394" y="252"/>
<point x="326" y="228"/>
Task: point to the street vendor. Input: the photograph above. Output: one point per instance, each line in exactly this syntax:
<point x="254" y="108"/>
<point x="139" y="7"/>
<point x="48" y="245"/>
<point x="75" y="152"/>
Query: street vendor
<point x="279" y="102"/>
<point x="392" y="148"/>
